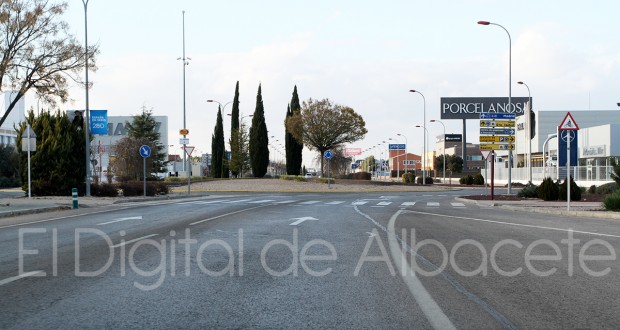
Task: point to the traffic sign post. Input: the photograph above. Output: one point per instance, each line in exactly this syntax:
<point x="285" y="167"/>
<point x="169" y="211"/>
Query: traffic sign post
<point x="188" y="151"/>
<point x="568" y="124"/>
<point x="328" y="155"/>
<point x="145" y="152"/>
<point x="497" y="133"/>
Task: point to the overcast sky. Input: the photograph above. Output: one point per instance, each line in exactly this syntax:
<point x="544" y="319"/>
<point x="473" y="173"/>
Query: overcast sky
<point x="363" y="54"/>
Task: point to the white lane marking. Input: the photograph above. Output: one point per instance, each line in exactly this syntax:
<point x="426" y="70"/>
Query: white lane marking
<point x="285" y="202"/>
<point x="19" y="277"/>
<point x="300" y="220"/>
<point x="204" y="202"/>
<point x="384" y="203"/>
<point x="427" y="304"/>
<point x="516" y="224"/>
<point x="237" y="201"/>
<point x="120" y="219"/>
<point x="133" y="240"/>
<point x="335" y="202"/>
<point x="262" y="201"/>
<point x="308" y="202"/>
<point x="432" y="204"/>
<point x="407" y="204"/>
<point x="359" y="203"/>
<point x="458" y="204"/>
<point x="224" y="215"/>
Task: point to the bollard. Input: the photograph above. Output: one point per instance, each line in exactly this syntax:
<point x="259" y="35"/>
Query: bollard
<point x="74" y="194"/>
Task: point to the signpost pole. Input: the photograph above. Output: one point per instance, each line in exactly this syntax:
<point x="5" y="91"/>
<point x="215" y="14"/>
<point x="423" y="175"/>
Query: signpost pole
<point x="144" y="171"/>
<point x="29" y="178"/>
<point x="492" y="175"/>
<point x="568" y="171"/>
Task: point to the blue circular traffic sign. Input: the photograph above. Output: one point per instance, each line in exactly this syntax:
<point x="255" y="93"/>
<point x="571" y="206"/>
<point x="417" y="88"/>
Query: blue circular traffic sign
<point x="145" y="151"/>
<point x="328" y="154"/>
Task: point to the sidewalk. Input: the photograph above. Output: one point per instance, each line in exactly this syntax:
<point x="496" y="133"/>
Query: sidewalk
<point x="579" y="209"/>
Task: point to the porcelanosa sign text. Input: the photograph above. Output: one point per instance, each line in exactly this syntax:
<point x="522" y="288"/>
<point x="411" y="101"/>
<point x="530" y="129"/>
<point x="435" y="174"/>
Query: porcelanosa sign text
<point x="472" y="107"/>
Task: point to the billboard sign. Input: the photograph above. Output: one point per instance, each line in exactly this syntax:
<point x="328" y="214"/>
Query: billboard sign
<point x="99" y="122"/>
<point x="352" y="151"/>
<point x="473" y="107"/>
<point x="397" y="146"/>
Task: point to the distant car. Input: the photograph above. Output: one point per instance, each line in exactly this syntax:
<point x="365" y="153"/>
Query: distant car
<point x="309" y="176"/>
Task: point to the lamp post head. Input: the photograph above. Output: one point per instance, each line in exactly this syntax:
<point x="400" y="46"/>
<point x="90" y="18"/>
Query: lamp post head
<point x="418" y="126"/>
<point x="520" y="83"/>
<point x="413" y="91"/>
<point x="210" y="101"/>
<point x="432" y="120"/>
<point x="618" y="104"/>
<point x="484" y="22"/>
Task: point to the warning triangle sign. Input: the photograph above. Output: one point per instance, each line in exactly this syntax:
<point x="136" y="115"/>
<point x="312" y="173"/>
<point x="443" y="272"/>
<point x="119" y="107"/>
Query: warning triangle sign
<point x="568" y="124"/>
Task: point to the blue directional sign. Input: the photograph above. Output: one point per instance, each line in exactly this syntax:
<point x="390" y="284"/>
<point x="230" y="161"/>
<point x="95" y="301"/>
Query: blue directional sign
<point x="497" y="131"/>
<point x="497" y="116"/>
<point x="355" y="166"/>
<point x="328" y="154"/>
<point x="567" y="137"/>
<point x="145" y="151"/>
<point x="400" y="146"/>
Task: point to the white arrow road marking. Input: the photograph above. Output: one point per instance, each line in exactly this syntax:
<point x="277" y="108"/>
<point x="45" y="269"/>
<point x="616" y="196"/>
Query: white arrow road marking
<point x="335" y="202"/>
<point x="370" y="234"/>
<point x="308" y="202"/>
<point x="300" y="220"/>
<point x="120" y="219"/>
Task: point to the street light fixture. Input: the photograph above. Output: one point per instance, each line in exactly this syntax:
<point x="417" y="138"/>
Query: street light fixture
<point x="444" y="147"/>
<point x="509" y="95"/>
<point x="528" y="128"/>
<point x="423" y="125"/>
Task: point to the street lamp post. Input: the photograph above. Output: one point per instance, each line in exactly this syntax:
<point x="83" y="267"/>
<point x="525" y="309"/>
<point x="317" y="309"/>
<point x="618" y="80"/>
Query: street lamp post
<point x="186" y="166"/>
<point x="406" y="154"/>
<point x="444" y="147"/>
<point x="86" y="109"/>
<point x="528" y="128"/>
<point x="509" y="95"/>
<point x="423" y="125"/>
<point x="423" y="159"/>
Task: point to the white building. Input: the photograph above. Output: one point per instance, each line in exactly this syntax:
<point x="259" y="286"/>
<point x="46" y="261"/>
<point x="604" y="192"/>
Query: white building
<point x="8" y="135"/>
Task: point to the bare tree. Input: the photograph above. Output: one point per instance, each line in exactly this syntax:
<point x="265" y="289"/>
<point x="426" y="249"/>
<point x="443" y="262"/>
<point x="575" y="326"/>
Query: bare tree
<point x="38" y="52"/>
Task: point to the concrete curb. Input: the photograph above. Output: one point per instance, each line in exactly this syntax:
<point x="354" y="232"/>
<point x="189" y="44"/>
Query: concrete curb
<point x="601" y="214"/>
<point x="8" y="214"/>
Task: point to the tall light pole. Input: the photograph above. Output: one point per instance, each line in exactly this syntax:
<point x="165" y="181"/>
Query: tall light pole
<point x="425" y="131"/>
<point x="185" y="63"/>
<point x="509" y="95"/>
<point x="86" y="109"/>
<point x="406" y="154"/>
<point x="528" y="128"/>
<point x="424" y="159"/>
<point x="444" y="147"/>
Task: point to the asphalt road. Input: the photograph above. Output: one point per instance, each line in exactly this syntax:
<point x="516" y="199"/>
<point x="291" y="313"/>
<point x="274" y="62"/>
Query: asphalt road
<point x="391" y="260"/>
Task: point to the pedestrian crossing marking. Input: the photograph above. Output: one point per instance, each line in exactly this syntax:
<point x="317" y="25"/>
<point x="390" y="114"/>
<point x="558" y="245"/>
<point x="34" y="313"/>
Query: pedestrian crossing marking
<point x="359" y="203"/>
<point x="458" y="204"/>
<point x="408" y="204"/>
<point x="384" y="203"/>
<point x="432" y="204"/>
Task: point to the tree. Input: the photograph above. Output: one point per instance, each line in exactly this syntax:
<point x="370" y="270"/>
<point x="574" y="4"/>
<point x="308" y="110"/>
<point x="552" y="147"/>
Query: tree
<point x="339" y="164"/>
<point x="126" y="164"/>
<point x="57" y="165"/>
<point x="239" y="143"/>
<point x="615" y="175"/>
<point x="236" y="157"/>
<point x="9" y="161"/>
<point x="38" y="52"/>
<point x="454" y="164"/>
<point x="259" y="141"/>
<point x="143" y="128"/>
<point x="293" y="147"/>
<point x="322" y="125"/>
<point x="217" y="147"/>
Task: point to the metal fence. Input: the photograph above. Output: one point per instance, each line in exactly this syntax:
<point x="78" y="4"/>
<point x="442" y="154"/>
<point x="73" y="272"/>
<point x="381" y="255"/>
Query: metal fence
<point x="594" y="174"/>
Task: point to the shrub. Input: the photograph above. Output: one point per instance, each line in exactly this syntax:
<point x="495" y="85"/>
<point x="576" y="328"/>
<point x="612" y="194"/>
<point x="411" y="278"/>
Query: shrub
<point x="408" y="177"/>
<point x="136" y="188"/>
<point x="173" y="179"/>
<point x="325" y="180"/>
<point x="592" y="189"/>
<point x="529" y="191"/>
<point x="478" y="179"/>
<point x="361" y="176"/>
<point x="612" y="202"/>
<point x="575" y="192"/>
<point x="468" y="180"/>
<point x="606" y="189"/>
<point x="548" y="190"/>
<point x="103" y="190"/>
<point x="9" y="182"/>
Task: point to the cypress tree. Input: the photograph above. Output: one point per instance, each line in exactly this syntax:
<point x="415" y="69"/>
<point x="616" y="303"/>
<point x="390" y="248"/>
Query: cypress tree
<point x="235" y="151"/>
<point x="259" y="141"/>
<point x="294" y="149"/>
<point x="217" y="146"/>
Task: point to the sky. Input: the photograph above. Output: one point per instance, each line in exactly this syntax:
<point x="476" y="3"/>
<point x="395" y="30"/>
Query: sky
<point x="362" y="54"/>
